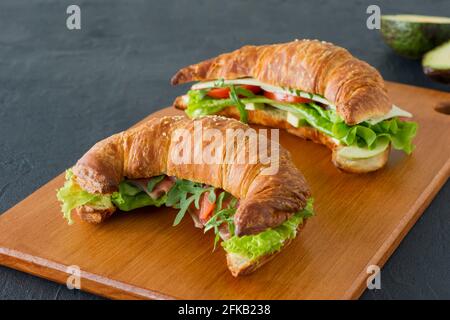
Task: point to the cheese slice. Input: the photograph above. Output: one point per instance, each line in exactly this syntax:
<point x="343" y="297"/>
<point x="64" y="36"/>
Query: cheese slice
<point x="395" y="112"/>
<point x="254" y="106"/>
<point x="294" y="119"/>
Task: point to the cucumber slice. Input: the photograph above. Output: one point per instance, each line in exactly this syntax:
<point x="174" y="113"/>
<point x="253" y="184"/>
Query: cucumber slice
<point x="436" y="63"/>
<point x="298" y="93"/>
<point x="412" y="35"/>
<point x="354" y="152"/>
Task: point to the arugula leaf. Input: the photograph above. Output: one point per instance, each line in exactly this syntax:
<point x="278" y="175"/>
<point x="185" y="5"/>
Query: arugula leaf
<point x="239" y="105"/>
<point x="183" y="194"/>
<point x="220" y="200"/>
<point x="219" y="83"/>
<point x="184" y="206"/>
<point x="222" y="215"/>
<point x="212" y="196"/>
<point x="240" y="91"/>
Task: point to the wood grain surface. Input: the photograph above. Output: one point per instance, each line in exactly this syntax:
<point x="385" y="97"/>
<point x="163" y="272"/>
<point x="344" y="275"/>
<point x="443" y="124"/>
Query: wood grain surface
<point x="360" y="220"/>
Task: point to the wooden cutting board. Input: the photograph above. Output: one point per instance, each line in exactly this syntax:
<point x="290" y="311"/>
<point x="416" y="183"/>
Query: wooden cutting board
<point x="360" y="220"/>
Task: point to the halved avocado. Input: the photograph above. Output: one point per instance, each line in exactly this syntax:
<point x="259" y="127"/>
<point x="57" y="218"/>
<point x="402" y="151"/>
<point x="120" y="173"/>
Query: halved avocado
<point x="436" y="63"/>
<point x="411" y="35"/>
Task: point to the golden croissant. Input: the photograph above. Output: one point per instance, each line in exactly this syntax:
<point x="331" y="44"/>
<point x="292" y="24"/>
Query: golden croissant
<point x="253" y="212"/>
<point x="311" y="88"/>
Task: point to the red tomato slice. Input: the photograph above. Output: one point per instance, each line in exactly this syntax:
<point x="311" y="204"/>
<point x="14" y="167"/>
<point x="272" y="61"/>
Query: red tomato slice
<point x="219" y="93"/>
<point x="206" y="207"/>
<point x="254" y="89"/>
<point x="283" y="97"/>
<point x="224" y="93"/>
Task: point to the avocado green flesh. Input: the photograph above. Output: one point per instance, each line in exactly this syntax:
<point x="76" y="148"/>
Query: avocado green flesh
<point x="412" y="36"/>
<point x="417" y="18"/>
<point x="438" y="58"/>
<point x="436" y="63"/>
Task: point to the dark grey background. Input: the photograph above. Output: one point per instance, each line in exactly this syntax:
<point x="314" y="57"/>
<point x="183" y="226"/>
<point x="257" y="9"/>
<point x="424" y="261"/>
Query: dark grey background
<point x="61" y="91"/>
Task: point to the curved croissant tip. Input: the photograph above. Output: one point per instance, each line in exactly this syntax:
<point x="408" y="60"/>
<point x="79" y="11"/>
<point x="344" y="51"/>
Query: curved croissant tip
<point x="175" y="79"/>
<point x="245" y="230"/>
<point x="182" y="76"/>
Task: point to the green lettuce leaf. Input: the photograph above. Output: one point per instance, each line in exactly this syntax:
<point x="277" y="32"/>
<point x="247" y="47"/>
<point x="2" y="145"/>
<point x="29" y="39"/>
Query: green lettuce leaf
<point x="363" y="135"/>
<point x="270" y="240"/>
<point x="154" y="181"/>
<point x="130" y="197"/>
<point x="71" y="196"/>
<point x="202" y="105"/>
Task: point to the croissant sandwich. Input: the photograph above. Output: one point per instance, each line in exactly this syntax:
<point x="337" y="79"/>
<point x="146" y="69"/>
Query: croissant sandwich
<point x="313" y="89"/>
<point x="254" y="210"/>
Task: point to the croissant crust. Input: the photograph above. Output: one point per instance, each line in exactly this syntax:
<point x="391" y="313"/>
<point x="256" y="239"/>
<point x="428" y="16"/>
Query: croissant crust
<point x="146" y="151"/>
<point x="356" y="88"/>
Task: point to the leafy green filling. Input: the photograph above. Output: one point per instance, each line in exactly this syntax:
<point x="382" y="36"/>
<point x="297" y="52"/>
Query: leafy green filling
<point x="270" y="240"/>
<point x="222" y="215"/>
<point x="130" y="197"/>
<point x="182" y="195"/>
<point x="72" y="196"/>
<point x="363" y="135"/>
